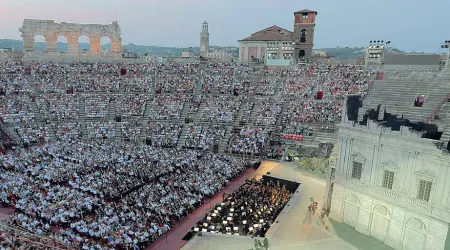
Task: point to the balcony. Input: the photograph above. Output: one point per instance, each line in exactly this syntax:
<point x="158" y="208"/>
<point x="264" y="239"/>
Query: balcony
<point x="419" y="203"/>
<point x="385" y="192"/>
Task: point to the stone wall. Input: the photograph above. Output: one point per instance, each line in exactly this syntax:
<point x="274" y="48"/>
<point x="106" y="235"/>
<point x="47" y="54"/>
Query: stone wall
<point x="72" y="31"/>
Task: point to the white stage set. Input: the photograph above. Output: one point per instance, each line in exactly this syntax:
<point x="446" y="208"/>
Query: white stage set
<point x="392" y="185"/>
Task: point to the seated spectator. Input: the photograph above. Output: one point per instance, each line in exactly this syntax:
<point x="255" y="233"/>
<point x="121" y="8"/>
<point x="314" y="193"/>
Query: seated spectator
<point x="58" y="107"/>
<point x="251" y="141"/>
<point x="164" y="134"/>
<point x="103" y="130"/>
<point x="203" y="137"/>
<point x="67" y="130"/>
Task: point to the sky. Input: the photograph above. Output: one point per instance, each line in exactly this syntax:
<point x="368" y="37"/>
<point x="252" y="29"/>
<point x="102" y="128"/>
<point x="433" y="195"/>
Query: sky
<point x="410" y="25"/>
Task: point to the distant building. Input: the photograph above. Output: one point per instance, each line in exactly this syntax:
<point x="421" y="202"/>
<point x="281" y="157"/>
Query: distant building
<point x="278" y="43"/>
<point x="221" y="54"/>
<point x="187" y="54"/>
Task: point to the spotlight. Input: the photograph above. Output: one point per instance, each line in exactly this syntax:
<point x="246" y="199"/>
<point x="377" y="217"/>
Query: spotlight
<point x="442" y="46"/>
<point x="370" y="41"/>
<point x="382" y="41"/>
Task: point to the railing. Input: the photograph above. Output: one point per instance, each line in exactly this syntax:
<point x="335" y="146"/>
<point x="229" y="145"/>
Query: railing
<point x="436" y="110"/>
<point x="385" y="192"/>
<point x="419" y="203"/>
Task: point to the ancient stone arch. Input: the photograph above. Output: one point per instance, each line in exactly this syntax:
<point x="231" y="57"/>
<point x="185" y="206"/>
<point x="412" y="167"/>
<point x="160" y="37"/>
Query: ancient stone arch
<point x="72" y="31"/>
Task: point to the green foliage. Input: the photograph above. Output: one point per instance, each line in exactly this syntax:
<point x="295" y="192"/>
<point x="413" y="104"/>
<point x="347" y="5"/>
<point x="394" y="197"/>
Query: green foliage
<point x="316" y="165"/>
<point x="262" y="244"/>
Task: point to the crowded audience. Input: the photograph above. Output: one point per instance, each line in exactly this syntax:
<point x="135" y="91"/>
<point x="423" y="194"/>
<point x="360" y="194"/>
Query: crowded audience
<point x="204" y="137"/>
<point x="109" y="194"/>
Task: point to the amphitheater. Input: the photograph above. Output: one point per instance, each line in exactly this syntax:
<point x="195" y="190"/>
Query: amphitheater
<point x="163" y="116"/>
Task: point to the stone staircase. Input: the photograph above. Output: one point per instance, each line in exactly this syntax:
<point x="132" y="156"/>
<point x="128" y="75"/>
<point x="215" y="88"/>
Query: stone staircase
<point x="145" y="120"/>
<point x="238" y="120"/>
<point x="182" y="138"/>
<point x="118" y="131"/>
<point x="36" y="111"/>
<point x="223" y="146"/>
<point x="185" y="112"/>
<point x="82" y="117"/>
<point x="112" y="111"/>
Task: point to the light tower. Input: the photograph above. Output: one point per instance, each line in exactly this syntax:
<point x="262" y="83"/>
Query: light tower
<point x="204" y="40"/>
<point x="374" y="54"/>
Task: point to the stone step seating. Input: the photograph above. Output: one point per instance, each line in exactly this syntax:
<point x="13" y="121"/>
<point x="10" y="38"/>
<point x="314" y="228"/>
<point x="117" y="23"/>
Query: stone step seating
<point x="444" y="125"/>
<point x="398" y="97"/>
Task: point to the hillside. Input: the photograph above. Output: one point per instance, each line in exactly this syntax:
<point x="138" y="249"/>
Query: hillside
<point x="338" y="52"/>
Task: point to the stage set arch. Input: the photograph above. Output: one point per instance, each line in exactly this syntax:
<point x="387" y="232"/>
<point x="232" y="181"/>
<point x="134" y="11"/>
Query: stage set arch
<point x="72" y="34"/>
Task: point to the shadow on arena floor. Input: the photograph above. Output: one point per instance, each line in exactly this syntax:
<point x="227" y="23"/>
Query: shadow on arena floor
<point x="357" y="239"/>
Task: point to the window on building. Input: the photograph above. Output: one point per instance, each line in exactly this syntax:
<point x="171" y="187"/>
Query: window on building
<point x="305" y="15"/>
<point x="357" y="170"/>
<point x="424" y="190"/>
<point x="303" y="36"/>
<point x="388" y="179"/>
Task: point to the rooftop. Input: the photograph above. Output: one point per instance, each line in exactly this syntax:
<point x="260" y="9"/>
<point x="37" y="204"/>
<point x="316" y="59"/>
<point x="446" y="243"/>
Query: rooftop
<point x="305" y="11"/>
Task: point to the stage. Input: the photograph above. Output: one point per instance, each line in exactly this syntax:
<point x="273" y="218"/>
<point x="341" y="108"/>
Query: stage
<point x="294" y="230"/>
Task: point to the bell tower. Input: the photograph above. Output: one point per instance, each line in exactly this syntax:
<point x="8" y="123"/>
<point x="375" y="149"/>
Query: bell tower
<point x="204" y="40"/>
<point x="305" y="21"/>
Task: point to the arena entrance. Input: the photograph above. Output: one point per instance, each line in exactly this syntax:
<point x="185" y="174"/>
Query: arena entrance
<point x="415" y="234"/>
<point x="351" y="210"/>
<point x="381" y="220"/>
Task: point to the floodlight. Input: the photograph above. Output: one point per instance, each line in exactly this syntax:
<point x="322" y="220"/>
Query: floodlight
<point x="196" y="229"/>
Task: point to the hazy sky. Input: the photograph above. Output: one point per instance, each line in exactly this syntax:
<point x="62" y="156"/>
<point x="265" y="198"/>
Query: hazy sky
<point x="410" y="25"/>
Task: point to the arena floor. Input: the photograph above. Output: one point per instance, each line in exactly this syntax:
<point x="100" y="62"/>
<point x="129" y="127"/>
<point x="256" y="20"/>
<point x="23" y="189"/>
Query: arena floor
<point x="292" y="231"/>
